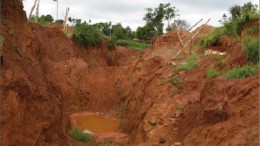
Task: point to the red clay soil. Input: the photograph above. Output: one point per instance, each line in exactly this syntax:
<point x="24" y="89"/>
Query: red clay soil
<point x="46" y="78"/>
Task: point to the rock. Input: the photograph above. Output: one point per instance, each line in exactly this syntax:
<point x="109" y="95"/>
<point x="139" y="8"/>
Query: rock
<point x="152" y="122"/>
<point x="86" y="131"/>
<point x="162" y="140"/>
<point x="177" y="144"/>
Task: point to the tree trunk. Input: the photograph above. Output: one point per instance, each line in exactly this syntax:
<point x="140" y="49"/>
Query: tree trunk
<point x="32" y="9"/>
<point x="65" y="20"/>
<point x="37" y="10"/>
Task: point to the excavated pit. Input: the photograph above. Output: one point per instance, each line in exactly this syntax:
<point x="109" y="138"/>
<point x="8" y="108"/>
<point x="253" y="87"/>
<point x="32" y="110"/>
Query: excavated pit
<point x="44" y="83"/>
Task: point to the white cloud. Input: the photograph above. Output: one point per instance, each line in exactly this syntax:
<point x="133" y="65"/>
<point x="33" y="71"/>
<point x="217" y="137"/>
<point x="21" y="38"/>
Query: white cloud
<point x="131" y="12"/>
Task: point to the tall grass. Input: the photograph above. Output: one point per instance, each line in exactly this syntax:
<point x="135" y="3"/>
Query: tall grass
<point x="241" y="72"/>
<point x="252" y="49"/>
<point x="138" y="46"/>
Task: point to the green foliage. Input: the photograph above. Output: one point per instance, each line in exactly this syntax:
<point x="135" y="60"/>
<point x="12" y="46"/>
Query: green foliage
<point x="146" y="32"/>
<point x="111" y="44"/>
<point x="252" y="49"/>
<point x="80" y="136"/>
<point x="241" y="72"/>
<point x="175" y="79"/>
<point x="59" y="21"/>
<point x="191" y="64"/>
<point x="87" y="35"/>
<point x="74" y="21"/>
<point x="212" y="38"/>
<point x="133" y="44"/>
<point x="252" y="29"/>
<point x="154" y="20"/>
<point x="45" y="19"/>
<point x="212" y="73"/>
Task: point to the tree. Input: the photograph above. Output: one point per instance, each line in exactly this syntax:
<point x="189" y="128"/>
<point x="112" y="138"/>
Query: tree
<point x="74" y="21"/>
<point x="155" y="17"/>
<point x="235" y="12"/>
<point x="170" y="13"/>
<point x="30" y="15"/>
<point x="87" y="35"/>
<point x="146" y="32"/>
<point x="181" y="23"/>
<point x="248" y="8"/>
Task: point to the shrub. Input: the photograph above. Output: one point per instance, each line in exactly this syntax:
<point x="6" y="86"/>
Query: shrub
<point x="174" y="79"/>
<point x="252" y="49"/>
<point x="59" y="21"/>
<point x="111" y="44"/>
<point x="241" y="72"/>
<point x="212" y="38"/>
<point x="80" y="136"/>
<point x="87" y="35"/>
<point x="212" y="73"/>
<point x="132" y="44"/>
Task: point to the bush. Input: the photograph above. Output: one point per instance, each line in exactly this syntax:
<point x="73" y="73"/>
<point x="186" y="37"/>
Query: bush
<point x="212" y="38"/>
<point x="59" y="21"/>
<point x="87" y="35"/>
<point x="111" y="44"/>
<point x="80" y="136"/>
<point x="212" y="73"/>
<point x="252" y="49"/>
<point x="241" y="72"/>
<point x="133" y="44"/>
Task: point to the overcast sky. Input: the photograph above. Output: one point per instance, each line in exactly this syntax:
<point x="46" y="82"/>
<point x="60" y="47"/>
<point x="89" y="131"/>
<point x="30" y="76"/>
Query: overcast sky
<point x="131" y="12"/>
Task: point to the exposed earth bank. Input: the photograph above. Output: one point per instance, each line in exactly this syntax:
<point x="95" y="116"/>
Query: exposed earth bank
<point x="46" y="78"/>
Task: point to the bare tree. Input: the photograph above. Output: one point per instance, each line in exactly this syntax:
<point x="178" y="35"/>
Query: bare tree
<point x="32" y="9"/>
<point x="37" y="10"/>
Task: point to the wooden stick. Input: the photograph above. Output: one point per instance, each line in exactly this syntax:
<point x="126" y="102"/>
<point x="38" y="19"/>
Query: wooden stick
<point x="195" y="25"/>
<point x="191" y="38"/>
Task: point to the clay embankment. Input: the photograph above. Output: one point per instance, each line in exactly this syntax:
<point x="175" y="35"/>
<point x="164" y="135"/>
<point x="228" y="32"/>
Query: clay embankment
<point x="46" y="77"/>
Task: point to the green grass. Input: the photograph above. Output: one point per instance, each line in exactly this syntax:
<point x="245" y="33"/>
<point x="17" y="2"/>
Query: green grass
<point x="212" y="73"/>
<point x="80" y="136"/>
<point x="133" y="44"/>
<point x="241" y="72"/>
<point x="212" y="38"/>
<point x="191" y="64"/>
<point x="174" y="79"/>
<point x="252" y="49"/>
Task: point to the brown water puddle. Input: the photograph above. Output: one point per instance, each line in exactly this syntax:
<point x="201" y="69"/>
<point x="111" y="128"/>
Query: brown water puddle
<point x="94" y="122"/>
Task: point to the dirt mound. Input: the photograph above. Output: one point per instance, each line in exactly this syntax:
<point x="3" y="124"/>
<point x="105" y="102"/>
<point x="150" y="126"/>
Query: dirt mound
<point x="45" y="77"/>
<point x="169" y="40"/>
<point x="206" y="29"/>
<point x="59" y="26"/>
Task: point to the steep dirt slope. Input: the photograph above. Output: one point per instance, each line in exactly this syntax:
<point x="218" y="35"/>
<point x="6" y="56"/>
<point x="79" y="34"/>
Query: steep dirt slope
<point x="200" y="111"/>
<point x="45" y="77"/>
